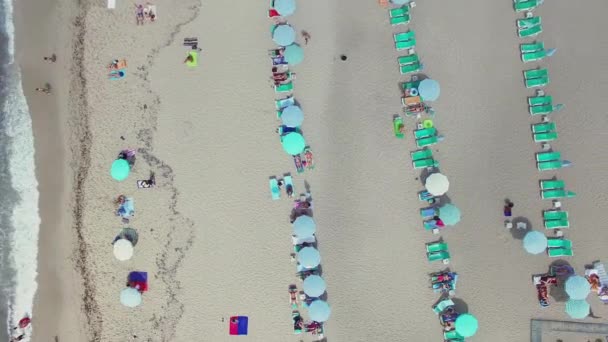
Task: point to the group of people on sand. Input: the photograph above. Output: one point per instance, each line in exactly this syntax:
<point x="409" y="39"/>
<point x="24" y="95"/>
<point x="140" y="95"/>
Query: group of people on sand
<point x="142" y="13"/>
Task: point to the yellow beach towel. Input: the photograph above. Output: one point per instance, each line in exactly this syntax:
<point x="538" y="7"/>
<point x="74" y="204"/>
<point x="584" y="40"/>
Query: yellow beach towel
<point x="194" y="62"/>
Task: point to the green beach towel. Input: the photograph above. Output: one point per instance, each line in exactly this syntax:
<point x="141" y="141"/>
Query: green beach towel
<point x="194" y="61"/>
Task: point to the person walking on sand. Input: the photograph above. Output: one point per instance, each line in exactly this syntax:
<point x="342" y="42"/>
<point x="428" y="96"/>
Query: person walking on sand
<point x="52" y="58"/>
<point x="46" y="89"/>
<point x="306" y="37"/>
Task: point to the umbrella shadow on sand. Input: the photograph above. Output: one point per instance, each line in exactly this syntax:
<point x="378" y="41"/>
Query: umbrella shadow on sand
<point x="460" y="305"/>
<point x="128" y="234"/>
<point x="558" y="292"/>
<point x="520" y="233"/>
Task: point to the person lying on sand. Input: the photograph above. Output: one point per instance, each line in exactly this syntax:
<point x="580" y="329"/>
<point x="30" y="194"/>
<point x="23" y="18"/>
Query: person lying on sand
<point x="46" y="89"/>
<point x="306" y="37"/>
<point x="52" y="58"/>
<point x="189" y="59"/>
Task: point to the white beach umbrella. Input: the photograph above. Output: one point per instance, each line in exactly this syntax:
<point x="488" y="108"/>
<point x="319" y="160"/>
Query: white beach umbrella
<point x="437" y="184"/>
<point x="130" y="297"/>
<point x="123" y="249"/>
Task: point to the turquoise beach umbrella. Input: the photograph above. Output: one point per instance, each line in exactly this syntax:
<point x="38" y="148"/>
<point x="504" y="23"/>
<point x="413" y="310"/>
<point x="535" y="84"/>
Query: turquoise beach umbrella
<point x="577" y="287"/>
<point x="294" y="54"/>
<point x="120" y="169"/>
<point x="130" y="297"/>
<point x="284" y="35"/>
<point x="292" y="116"/>
<point x="309" y="257"/>
<point x="294" y="143"/>
<point x="449" y="214"/>
<point x="314" y="286"/>
<point x="466" y="325"/>
<point x="304" y="226"/>
<point x="577" y="308"/>
<point x="535" y="242"/>
<point x="429" y="90"/>
<point x="285" y="7"/>
<point x="319" y="311"/>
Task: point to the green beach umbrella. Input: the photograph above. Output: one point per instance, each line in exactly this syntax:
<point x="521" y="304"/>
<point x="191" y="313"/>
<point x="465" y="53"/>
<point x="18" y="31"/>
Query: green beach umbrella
<point x="294" y="54"/>
<point x="294" y="143"/>
<point x="319" y="311"/>
<point x="284" y="35"/>
<point x="120" y="170"/>
<point x="285" y="7"/>
<point x="577" y="308"/>
<point x="466" y="325"/>
<point x="577" y="287"/>
<point x="449" y="214"/>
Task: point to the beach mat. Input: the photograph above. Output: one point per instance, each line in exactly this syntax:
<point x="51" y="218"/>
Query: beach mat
<point x="138" y="280"/>
<point x="194" y="62"/>
<point x="238" y="325"/>
<point x="144" y="184"/>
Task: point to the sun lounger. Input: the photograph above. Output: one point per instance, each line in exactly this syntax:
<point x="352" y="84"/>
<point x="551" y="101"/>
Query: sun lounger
<point x="555" y="224"/>
<point x="560" y="252"/>
<point x="528" y="22"/>
<point x="559" y="243"/>
<point x="533" y="56"/>
<point x="541" y="110"/>
<point x="543" y="137"/>
<point x="286" y="102"/>
<point x="521" y="6"/>
<point x="550" y="185"/>
<point x="425" y="132"/>
<point x="452" y="336"/>
<point x="424" y="163"/>
<point x="549" y="165"/>
<point x="284" y="88"/>
<point x="544" y="127"/>
<point x="415" y="67"/>
<point x="442" y="255"/>
<point x="441" y="306"/>
<point x="428" y="212"/>
<point x="399" y="12"/>
<point x="421" y="154"/>
<point x="274" y="189"/>
<point x="557" y="193"/>
<point x="425" y="195"/>
<point x="547" y="156"/>
<point x="403" y="60"/>
<point x="436" y="247"/>
<point x="288" y="183"/>
<point x="555" y="215"/>
<point x="427" y="141"/>
<point x="400" y="20"/>
<point x="540" y="100"/>
<point x="404" y="36"/>
<point x="397" y="125"/>
<point x="537" y="82"/>
<point x="535" y="73"/>
<point x="405" y="45"/>
<point x="530" y="32"/>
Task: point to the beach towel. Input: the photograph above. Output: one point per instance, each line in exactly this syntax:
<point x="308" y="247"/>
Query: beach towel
<point x="126" y="209"/>
<point x="117" y="74"/>
<point x="194" y="62"/>
<point x="238" y="325"/>
<point x="144" y="184"/>
<point x="138" y="280"/>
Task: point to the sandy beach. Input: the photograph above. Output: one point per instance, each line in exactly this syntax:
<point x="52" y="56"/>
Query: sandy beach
<point x="213" y="242"/>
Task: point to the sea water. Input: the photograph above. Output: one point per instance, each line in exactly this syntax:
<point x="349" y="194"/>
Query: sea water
<point x="19" y="218"/>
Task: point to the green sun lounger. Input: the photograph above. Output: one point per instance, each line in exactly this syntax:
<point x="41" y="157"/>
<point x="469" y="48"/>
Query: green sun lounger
<point x="555" y="224"/>
<point x="544" y="127"/>
<point x="540" y="100"/>
<point x="536" y="73"/>
<point x="557" y="193"/>
<point x="405" y="69"/>
<point x="427" y="141"/>
<point x="405" y="45"/>
<point x="424" y="163"/>
<point x="528" y="22"/>
<point x="452" y="336"/>
<point x="533" y="56"/>
<point x="399" y="12"/>
<point x="531" y="47"/>
<point x="548" y="156"/>
<point x="289" y="182"/>
<point x="397" y="124"/>
<point x="404" y="36"/>
<point x="443" y="255"/>
<point x="274" y="188"/>
<point x="540" y="110"/>
<point x="425" y="132"/>
<point x="404" y="20"/>
<point x="403" y="60"/>
<point x="549" y="165"/>
<point x="543" y="137"/>
<point x="560" y="252"/>
<point x="441" y="306"/>
<point x="549" y="215"/>
<point x="537" y="82"/>
<point x="550" y="185"/>
<point x="284" y="88"/>
<point x="530" y="32"/>
<point x="436" y="247"/>
<point x="421" y="154"/>
<point x="521" y="6"/>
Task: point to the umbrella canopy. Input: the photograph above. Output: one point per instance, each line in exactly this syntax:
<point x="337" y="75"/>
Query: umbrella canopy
<point x="292" y="116"/>
<point x="294" y="143"/>
<point x="294" y="54"/>
<point x="577" y="287"/>
<point x="429" y="90"/>
<point x="123" y="249"/>
<point x="314" y="286"/>
<point x="285" y="7"/>
<point x="309" y="257"/>
<point x="319" y="311"/>
<point x="437" y="184"/>
<point x="120" y="169"/>
<point x="449" y="214"/>
<point x="466" y="325"/>
<point x="130" y="297"/>
<point x="304" y="226"/>
<point x="535" y="242"/>
<point x="284" y="35"/>
<point x="577" y="308"/>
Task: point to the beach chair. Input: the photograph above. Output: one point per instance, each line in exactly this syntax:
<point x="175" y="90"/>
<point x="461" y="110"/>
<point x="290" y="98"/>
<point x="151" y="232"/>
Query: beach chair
<point x="425" y="163"/>
<point x="436" y="256"/>
<point x="399" y="12"/>
<point x="452" y="336"/>
<point x="541" y="110"/>
<point x="540" y="101"/>
<point x="434" y="247"/>
<point x="415" y="67"/>
<point x="549" y="165"/>
<point x="405" y="45"/>
<point x="544" y="127"/>
<point x="274" y="189"/>
<point x="530" y="32"/>
<point x="556" y="193"/>
<point x="537" y="82"/>
<point x="543" y="137"/>
<point x="547" y="156"/>
<point x="555" y="224"/>
<point x="284" y="88"/>
<point x="521" y="6"/>
<point x="397" y="125"/>
<point x="442" y="305"/>
<point x="403" y="60"/>
<point x="404" y="20"/>
<point x="286" y="102"/>
<point x="535" y="73"/>
<point x="427" y="141"/>
<point x="425" y="132"/>
<point x="528" y="22"/>
<point x="549" y="215"/>
<point x="404" y="36"/>
<point x="428" y="212"/>
<point x="425" y="196"/>
<point x="560" y="252"/>
<point x="552" y="184"/>
<point x="421" y="154"/>
<point x="289" y="183"/>
<point x="533" y="56"/>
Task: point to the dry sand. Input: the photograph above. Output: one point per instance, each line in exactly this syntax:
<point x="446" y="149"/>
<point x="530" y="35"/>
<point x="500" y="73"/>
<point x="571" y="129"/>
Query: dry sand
<point x="214" y="243"/>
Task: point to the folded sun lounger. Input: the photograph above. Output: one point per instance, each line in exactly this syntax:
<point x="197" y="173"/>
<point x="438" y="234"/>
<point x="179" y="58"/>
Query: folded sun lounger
<point x="537" y="82"/>
<point x="549" y="165"/>
<point x="404" y="36"/>
<point x="528" y="22"/>
<point x="547" y="156"/>
<point x="540" y="110"/>
<point x="443" y="255"/>
<point x="560" y="252"/>
<point x="421" y="154"/>
<point x="535" y="73"/>
<point x="424" y="163"/>
<point x="521" y="6"/>
<point x="399" y="12"/>
<point x="400" y="20"/>
<point x="436" y="247"/>
<point x="427" y="141"/>
<point x="549" y="215"/>
<point x="403" y="60"/>
<point x="405" y="69"/>
<point x="544" y="127"/>
<point x="425" y="132"/>
<point x="540" y="101"/>
<point x="274" y="189"/>
<point x="554" y="224"/>
<point x="530" y="32"/>
<point x="550" y="185"/>
<point x="284" y="88"/>
<point x="543" y="137"/>
<point x="557" y="193"/>
<point x="533" y="56"/>
<point x="405" y="45"/>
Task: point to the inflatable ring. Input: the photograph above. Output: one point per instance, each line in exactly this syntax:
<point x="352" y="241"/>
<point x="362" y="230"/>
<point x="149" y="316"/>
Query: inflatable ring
<point x="414" y="92"/>
<point x="428" y="123"/>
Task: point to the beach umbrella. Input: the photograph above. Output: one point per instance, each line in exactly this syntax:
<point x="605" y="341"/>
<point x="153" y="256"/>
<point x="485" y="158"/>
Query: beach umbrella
<point x="130" y="297"/>
<point x="292" y="116"/>
<point x="577" y="308"/>
<point x="535" y="242"/>
<point x="319" y="311"/>
<point x="123" y="249"/>
<point x="437" y="184"/>
<point x="285" y="7"/>
<point x="284" y="35"/>
<point x="314" y="286"/>
<point x="309" y="257"/>
<point x="304" y="226"/>
<point x="120" y="169"/>
<point x="466" y="325"/>
<point x="429" y="89"/>
<point x="293" y="143"/>
<point x="449" y="214"/>
<point x="577" y="287"/>
<point x="294" y="54"/>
